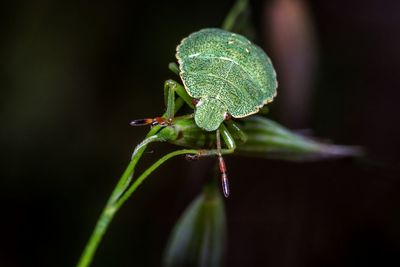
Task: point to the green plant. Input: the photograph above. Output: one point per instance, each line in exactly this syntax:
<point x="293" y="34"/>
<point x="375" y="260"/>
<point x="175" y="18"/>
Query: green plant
<point x="255" y="136"/>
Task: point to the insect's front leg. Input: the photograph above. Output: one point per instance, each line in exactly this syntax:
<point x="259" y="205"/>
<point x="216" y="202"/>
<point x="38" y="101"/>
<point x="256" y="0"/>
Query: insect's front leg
<point x="170" y="88"/>
<point x="174" y="68"/>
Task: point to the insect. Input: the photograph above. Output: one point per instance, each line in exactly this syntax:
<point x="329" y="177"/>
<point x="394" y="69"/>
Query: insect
<point x="223" y="75"/>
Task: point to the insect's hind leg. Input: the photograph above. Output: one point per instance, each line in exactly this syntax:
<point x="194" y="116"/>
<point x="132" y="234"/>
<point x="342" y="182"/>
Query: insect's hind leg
<point x="231" y="145"/>
<point x="222" y="167"/>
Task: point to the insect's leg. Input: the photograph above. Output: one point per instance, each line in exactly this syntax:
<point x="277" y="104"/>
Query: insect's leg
<point x="222" y="166"/>
<point x="174" y="68"/>
<point x="208" y="153"/>
<point x="235" y="131"/>
<point x="231" y="145"/>
<point x="169" y="98"/>
<point x="228" y="138"/>
<point x="170" y="88"/>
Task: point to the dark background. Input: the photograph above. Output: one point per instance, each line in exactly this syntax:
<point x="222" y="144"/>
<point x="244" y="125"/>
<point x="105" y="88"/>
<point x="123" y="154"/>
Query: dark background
<point x="74" y="73"/>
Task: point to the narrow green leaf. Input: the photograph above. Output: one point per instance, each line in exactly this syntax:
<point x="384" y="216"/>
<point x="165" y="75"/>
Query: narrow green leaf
<point x="266" y="138"/>
<point x="198" y="238"/>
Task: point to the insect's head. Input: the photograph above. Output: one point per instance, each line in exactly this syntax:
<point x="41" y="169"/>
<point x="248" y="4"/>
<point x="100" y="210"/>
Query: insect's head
<point x="210" y="113"/>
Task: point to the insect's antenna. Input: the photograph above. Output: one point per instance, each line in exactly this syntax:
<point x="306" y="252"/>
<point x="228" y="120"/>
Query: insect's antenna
<point x="149" y="121"/>
<point x="141" y="122"/>
<point x="222" y="168"/>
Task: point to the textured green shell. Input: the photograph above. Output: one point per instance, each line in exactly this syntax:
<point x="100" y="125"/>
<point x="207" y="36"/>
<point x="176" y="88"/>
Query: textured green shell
<point x="227" y="73"/>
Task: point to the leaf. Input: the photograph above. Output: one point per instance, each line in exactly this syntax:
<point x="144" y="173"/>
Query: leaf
<point x="269" y="139"/>
<point x="198" y="238"/>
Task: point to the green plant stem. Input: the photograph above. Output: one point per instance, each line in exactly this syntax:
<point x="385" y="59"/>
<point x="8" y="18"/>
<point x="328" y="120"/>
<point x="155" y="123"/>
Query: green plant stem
<point x="110" y="210"/>
<point x="101" y="226"/>
<point x="233" y="14"/>
<point x="124" y="189"/>
<point x="113" y="206"/>
<point x="126" y="177"/>
<point x="148" y="171"/>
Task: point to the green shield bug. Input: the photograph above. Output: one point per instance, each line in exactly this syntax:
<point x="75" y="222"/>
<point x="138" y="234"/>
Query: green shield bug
<point x="224" y="75"/>
<point x="227" y="73"/>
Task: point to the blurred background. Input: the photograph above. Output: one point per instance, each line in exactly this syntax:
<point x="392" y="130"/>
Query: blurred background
<point x="74" y="73"/>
